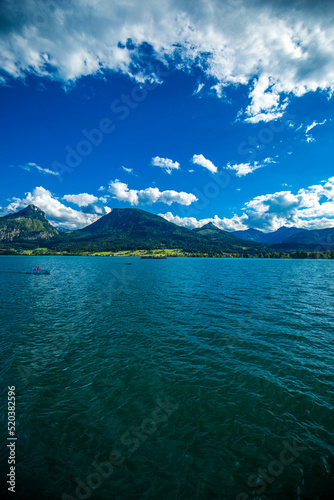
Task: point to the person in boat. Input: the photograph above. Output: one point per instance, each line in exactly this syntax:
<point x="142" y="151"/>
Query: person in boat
<point x="37" y="268"/>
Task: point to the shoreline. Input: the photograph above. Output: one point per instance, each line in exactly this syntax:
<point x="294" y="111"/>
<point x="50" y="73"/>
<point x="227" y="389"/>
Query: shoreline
<point x="300" y="255"/>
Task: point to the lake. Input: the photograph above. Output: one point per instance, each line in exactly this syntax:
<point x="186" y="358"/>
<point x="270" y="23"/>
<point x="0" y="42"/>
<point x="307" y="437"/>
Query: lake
<point x="182" y="378"/>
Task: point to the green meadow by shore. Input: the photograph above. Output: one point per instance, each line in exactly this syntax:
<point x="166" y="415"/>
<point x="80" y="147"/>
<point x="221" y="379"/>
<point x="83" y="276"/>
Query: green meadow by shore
<point x="174" y="252"/>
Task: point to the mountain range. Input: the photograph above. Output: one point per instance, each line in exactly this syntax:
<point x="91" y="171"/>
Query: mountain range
<point x="272" y="238"/>
<point x="135" y="229"/>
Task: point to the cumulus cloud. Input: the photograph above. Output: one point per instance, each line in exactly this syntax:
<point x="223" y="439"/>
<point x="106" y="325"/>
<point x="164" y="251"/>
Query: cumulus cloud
<point x="242" y="169"/>
<point x="166" y="164"/>
<point x="32" y="167"/>
<point x="309" y="208"/>
<point x="266" y="103"/>
<point x="272" y="211"/>
<point x="279" y="49"/>
<point x="203" y="162"/>
<point x="121" y="192"/>
<point x="82" y="199"/>
<point x="233" y="224"/>
<point x="56" y="212"/>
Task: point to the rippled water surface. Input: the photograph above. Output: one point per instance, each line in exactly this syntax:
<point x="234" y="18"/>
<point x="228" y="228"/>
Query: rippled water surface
<point x="171" y="379"/>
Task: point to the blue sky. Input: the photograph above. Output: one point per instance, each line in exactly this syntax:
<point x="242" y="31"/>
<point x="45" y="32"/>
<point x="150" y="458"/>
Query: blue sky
<point x="197" y="111"/>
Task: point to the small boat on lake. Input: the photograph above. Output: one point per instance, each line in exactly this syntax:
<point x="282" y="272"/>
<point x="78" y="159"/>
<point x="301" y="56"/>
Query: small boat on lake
<point x="37" y="271"/>
<point x="128" y="263"/>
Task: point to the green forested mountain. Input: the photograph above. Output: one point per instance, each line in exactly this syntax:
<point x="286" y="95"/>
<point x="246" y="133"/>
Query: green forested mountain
<point x="212" y="233"/>
<point x="271" y="238"/>
<point x="282" y="234"/>
<point x="312" y="240"/>
<point x="209" y="229"/>
<point x="27" y="224"/>
<point x="313" y="236"/>
<point x="250" y="235"/>
<point x="134" y="229"/>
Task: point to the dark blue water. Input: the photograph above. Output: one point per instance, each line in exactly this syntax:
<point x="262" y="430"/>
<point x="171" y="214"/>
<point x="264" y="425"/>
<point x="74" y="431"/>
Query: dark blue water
<point x="172" y="379"/>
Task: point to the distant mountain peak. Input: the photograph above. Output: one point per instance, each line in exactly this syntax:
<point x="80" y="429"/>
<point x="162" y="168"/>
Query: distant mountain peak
<point x="129" y="219"/>
<point x="30" y="212"/>
<point x="249" y="234"/>
<point x="285" y="228"/>
<point x="32" y="208"/>
<point x="269" y="238"/>
<point x="210" y="225"/>
<point x="251" y="230"/>
<point x="28" y="223"/>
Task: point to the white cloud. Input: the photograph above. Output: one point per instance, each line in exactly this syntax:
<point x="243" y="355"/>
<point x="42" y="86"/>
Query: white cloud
<point x="31" y="167"/>
<point x="46" y="170"/>
<point x="57" y="213"/>
<point x="314" y="124"/>
<point x="266" y="104"/>
<point x="270" y="160"/>
<point x="150" y="195"/>
<point x="199" y="88"/>
<point x="310" y="138"/>
<point x="218" y="88"/>
<point x="166" y="164"/>
<point x="242" y="169"/>
<point x="233" y="224"/>
<point x="280" y="49"/>
<point x="310" y="208"/>
<point x="82" y="199"/>
<point x="203" y="162"/>
<point x="121" y="192"/>
<point x="128" y="170"/>
<point x="272" y="211"/>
